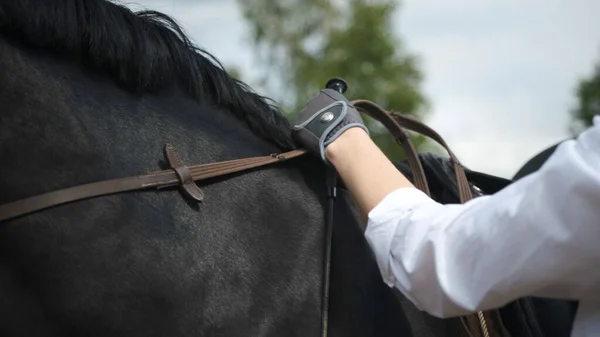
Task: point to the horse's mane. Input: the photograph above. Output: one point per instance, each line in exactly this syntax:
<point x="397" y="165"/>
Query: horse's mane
<point x="144" y="51"/>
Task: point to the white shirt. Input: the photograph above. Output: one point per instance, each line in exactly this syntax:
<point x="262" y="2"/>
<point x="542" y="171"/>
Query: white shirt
<point x="539" y="236"/>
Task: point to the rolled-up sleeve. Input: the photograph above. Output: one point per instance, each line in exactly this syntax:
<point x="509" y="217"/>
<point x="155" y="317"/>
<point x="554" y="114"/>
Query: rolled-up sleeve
<point x="540" y="236"/>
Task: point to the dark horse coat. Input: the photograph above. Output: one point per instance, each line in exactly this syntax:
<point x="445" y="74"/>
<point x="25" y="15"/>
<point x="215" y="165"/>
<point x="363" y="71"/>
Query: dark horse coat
<point x="91" y="91"/>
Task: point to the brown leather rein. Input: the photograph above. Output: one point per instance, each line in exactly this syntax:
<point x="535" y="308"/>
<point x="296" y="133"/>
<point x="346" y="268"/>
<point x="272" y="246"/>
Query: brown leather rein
<point x="179" y="174"/>
<point x="186" y="177"/>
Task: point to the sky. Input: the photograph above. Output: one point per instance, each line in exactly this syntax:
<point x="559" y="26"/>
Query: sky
<point x="500" y="74"/>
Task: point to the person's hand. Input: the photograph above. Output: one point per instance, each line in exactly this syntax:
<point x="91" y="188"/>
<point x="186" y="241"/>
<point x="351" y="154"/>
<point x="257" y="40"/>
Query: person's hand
<point x="323" y="119"/>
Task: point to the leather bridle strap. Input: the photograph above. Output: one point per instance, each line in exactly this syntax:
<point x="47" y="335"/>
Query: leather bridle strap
<point x="178" y="175"/>
<point x="395" y="123"/>
<point x="464" y="188"/>
<point x="385" y="118"/>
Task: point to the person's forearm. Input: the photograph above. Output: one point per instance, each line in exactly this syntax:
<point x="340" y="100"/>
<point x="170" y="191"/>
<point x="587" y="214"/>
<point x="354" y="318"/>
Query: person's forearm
<point x="366" y="171"/>
<point x="536" y="237"/>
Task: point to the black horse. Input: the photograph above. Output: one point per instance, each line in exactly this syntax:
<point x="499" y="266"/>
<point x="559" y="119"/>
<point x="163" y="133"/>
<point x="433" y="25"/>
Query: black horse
<point x="536" y="161"/>
<point x="90" y="91"/>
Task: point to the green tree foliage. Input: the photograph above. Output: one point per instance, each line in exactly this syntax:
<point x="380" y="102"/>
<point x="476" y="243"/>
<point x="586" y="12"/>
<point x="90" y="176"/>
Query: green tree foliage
<point x="588" y="101"/>
<point x="304" y="43"/>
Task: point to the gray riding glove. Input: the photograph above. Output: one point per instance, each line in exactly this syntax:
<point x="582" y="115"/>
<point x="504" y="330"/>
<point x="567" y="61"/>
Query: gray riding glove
<point x="323" y="119"/>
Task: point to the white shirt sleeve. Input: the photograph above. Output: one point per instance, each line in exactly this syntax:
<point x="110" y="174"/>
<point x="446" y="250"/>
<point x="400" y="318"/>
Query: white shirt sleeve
<point x="539" y="236"/>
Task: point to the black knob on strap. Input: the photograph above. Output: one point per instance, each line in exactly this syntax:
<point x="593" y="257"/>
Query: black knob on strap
<point x="337" y="84"/>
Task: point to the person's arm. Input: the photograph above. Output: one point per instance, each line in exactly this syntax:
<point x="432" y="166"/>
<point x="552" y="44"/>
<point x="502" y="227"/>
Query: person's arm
<point x="366" y="171"/>
<point x="539" y="236"/>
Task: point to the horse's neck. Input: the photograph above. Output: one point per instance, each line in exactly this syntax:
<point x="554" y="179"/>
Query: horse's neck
<point x="255" y="241"/>
<point x="66" y="116"/>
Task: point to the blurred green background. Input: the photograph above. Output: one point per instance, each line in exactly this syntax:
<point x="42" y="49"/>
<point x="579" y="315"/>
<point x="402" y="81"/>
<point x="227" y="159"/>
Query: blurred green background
<point x="303" y="43"/>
